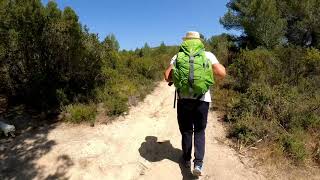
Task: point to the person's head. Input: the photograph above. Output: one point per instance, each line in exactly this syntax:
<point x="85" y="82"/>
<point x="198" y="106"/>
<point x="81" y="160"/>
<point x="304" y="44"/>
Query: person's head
<point x="192" y="35"/>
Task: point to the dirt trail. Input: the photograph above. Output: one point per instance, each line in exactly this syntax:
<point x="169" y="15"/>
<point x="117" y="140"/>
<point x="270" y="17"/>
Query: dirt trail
<point x="142" y="145"/>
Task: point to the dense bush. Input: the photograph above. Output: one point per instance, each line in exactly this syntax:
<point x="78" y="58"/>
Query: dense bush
<point x="45" y="54"/>
<point x="274" y="77"/>
<point x="77" y="113"/>
<point x="252" y="67"/>
<point x="279" y="98"/>
<point x="49" y="61"/>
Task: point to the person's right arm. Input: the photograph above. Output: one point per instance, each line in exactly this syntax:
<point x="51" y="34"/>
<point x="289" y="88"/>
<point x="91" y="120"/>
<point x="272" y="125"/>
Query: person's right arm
<point x="168" y="72"/>
<point x="219" y="70"/>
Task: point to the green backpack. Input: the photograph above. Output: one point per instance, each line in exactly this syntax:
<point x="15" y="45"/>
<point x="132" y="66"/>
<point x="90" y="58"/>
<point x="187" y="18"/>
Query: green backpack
<point x="192" y="72"/>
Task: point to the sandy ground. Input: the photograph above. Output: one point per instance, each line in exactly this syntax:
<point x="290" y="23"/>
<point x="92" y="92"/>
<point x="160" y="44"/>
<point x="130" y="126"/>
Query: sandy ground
<point x="145" y="144"/>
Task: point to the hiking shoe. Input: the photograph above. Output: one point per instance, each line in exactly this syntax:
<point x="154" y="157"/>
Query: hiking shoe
<point x="197" y="170"/>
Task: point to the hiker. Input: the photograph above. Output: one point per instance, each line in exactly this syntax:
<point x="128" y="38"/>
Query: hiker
<point x="192" y="71"/>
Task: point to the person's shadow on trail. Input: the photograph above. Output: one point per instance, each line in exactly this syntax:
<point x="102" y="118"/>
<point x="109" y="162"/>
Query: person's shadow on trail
<point x="154" y="151"/>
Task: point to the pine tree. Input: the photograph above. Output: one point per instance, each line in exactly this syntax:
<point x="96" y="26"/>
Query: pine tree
<point x="260" y="21"/>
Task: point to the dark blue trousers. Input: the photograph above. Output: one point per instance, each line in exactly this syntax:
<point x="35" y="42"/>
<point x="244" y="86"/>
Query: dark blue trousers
<point x="192" y="119"/>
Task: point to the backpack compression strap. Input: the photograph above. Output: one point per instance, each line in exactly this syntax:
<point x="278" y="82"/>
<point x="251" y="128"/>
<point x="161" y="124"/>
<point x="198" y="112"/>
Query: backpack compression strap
<point x="191" y="68"/>
<point x="191" y="71"/>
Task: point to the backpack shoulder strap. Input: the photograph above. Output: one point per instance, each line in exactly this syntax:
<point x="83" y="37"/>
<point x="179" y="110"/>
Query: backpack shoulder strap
<point x="176" y="62"/>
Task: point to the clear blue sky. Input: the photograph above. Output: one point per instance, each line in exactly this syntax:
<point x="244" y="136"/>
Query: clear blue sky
<point x="135" y="22"/>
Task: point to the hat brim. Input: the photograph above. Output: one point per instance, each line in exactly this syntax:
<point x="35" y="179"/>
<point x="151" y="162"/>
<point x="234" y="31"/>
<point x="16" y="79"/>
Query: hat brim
<point x="188" y="38"/>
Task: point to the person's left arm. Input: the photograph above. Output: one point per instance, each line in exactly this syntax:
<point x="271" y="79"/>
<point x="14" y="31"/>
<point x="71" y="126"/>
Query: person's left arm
<point x="218" y="69"/>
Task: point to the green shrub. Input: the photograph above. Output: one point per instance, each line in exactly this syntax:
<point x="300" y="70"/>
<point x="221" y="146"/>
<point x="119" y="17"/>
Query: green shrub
<point x="223" y="96"/>
<point x="294" y="147"/>
<point x="256" y="102"/>
<point x="77" y="113"/>
<point x="48" y="50"/>
<point x="116" y="105"/>
<point x="62" y="97"/>
<point x="275" y="108"/>
<point x="312" y="62"/>
<point x="256" y="66"/>
<point x="243" y="130"/>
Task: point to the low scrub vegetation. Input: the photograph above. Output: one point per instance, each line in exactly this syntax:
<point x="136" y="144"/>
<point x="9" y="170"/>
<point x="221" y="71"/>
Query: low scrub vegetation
<point x="269" y="97"/>
<point x="77" y="113"/>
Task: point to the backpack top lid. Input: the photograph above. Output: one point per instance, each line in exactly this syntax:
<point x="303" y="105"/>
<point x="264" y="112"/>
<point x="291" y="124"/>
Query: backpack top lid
<point x="192" y="46"/>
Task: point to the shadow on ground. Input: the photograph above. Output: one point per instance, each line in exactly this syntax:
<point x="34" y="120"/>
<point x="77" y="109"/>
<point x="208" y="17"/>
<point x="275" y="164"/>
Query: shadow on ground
<point x="18" y="155"/>
<point x="154" y="151"/>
